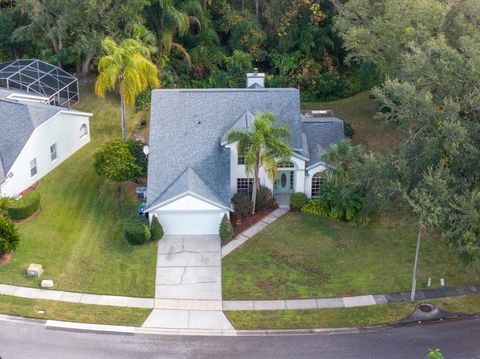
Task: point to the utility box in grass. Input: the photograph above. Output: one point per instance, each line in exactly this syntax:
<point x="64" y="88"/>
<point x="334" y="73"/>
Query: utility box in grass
<point x="34" y="270"/>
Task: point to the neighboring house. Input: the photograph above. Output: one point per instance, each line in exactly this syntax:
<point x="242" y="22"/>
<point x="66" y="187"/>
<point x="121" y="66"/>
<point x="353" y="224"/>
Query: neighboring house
<point x="35" y="138"/>
<point x="193" y="172"/>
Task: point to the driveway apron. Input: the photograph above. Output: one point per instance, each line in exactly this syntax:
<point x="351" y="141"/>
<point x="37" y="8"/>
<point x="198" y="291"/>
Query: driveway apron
<point x="188" y="291"/>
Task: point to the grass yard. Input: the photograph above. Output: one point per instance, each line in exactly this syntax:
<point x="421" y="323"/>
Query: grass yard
<point x="77" y="235"/>
<point x="304" y="256"/>
<point x="84" y="313"/>
<point x="343" y="317"/>
<point x="360" y="110"/>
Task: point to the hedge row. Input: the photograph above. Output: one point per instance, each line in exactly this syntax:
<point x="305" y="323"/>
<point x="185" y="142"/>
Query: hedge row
<point x="24" y="207"/>
<point x="137" y="230"/>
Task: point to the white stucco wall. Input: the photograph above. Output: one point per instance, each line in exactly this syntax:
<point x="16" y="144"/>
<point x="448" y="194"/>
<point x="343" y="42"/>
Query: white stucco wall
<point x="238" y="171"/>
<point x="62" y="129"/>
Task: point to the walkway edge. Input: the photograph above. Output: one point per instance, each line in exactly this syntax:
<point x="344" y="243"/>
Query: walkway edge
<point x="252" y="231"/>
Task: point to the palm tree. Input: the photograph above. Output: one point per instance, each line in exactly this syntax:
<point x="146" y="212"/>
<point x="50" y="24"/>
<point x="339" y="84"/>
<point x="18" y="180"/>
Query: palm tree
<point x="175" y="17"/>
<point x="127" y="69"/>
<point x="263" y="145"/>
<point x="343" y="157"/>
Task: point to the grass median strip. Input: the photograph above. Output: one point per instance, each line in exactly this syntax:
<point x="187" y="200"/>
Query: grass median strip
<point x="343" y="317"/>
<point x="75" y="312"/>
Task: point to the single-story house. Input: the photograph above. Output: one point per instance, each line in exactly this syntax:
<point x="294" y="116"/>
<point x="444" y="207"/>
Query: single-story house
<point x="35" y="137"/>
<point x="193" y="172"/>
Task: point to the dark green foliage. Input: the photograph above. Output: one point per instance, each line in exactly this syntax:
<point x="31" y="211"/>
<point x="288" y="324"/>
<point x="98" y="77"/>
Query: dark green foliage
<point x="298" y="200"/>
<point x="25" y="207"/>
<point x="142" y="101"/>
<point x="156" y="229"/>
<point x="226" y="229"/>
<point x="137" y="230"/>
<point x="9" y="237"/>
<point x="264" y="199"/>
<point x="116" y="162"/>
<point x="136" y="149"/>
<point x="242" y="204"/>
<point x="348" y="129"/>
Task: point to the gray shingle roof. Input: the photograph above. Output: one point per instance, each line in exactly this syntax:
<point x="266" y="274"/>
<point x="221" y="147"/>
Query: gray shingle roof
<point x="186" y="128"/>
<point x="320" y="133"/>
<point x="17" y="123"/>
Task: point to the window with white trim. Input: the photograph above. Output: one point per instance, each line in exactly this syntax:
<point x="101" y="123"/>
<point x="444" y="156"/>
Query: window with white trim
<point x="33" y="167"/>
<point x="53" y="152"/>
<point x="83" y="130"/>
<point x="317" y="183"/>
<point x="244" y="185"/>
<point x="241" y="160"/>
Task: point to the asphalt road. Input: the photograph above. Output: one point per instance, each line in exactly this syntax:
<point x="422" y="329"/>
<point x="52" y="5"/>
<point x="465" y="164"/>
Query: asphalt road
<point x="457" y="339"/>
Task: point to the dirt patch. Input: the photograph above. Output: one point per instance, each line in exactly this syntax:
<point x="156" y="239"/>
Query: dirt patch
<point x="5" y="258"/>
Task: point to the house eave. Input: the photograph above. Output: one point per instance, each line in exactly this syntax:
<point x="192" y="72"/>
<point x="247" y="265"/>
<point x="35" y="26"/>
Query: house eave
<point x="187" y="193"/>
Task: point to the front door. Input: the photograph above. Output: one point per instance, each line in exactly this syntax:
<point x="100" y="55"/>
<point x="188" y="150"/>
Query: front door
<point x="284" y="182"/>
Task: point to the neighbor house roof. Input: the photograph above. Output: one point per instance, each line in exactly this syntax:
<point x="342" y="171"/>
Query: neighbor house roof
<point x="321" y="132"/>
<point x="188" y="126"/>
<point x="17" y="123"/>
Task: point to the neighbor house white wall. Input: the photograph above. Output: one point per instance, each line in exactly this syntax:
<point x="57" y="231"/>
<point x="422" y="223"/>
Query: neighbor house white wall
<point x="62" y="129"/>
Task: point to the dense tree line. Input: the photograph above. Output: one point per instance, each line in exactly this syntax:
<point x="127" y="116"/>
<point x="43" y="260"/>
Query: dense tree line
<point x="201" y="43"/>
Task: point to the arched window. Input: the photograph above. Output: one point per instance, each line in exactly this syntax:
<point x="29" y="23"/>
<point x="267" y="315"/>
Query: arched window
<point x="285" y="164"/>
<point x="317" y="183"/>
<point x="83" y="130"/>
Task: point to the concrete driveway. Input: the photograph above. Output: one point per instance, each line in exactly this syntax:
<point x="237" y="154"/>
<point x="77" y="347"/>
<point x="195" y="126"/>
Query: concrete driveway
<point x="188" y="292"/>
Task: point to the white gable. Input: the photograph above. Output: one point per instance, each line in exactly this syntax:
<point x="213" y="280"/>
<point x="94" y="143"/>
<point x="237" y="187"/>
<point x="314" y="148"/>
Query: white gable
<point x="187" y="202"/>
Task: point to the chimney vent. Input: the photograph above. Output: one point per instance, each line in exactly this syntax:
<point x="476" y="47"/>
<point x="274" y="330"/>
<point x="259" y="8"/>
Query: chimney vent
<point x="255" y="79"/>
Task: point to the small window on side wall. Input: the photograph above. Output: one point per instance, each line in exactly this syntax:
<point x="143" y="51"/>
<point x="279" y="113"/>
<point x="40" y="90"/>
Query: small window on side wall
<point x="53" y="152"/>
<point x="244" y="185"/>
<point x="83" y="130"/>
<point x="317" y="183"/>
<point x="33" y="167"/>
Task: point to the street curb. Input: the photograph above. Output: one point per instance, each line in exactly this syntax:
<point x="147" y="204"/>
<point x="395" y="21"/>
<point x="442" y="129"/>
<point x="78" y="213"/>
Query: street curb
<point x="126" y="330"/>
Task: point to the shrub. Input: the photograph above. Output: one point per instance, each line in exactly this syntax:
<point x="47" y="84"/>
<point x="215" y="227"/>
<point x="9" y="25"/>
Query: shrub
<point x="136" y="149"/>
<point x="24" y="207"/>
<point x="264" y="199"/>
<point x="156" y="229"/>
<point x="137" y="230"/>
<point x="298" y="200"/>
<point x="348" y="129"/>
<point x="242" y="204"/>
<point x="116" y="162"/>
<point x="317" y="208"/>
<point x="9" y="237"/>
<point x="226" y="229"/>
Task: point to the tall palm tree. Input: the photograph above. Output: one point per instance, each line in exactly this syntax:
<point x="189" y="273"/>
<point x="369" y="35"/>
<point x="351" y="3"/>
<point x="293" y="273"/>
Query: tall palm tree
<point x="127" y="69"/>
<point x="263" y="146"/>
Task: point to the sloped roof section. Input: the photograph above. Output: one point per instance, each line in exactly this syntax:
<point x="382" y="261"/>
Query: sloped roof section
<point x="188" y="181"/>
<point x="186" y="128"/>
<point x="321" y="133"/>
<point x="244" y="122"/>
<point x="17" y="123"/>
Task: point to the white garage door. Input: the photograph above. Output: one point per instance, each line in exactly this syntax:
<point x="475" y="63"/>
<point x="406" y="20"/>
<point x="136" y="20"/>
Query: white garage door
<point x="176" y="223"/>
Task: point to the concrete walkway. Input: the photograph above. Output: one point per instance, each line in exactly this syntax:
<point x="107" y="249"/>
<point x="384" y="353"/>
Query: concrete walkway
<point x="188" y="292"/>
<point x="253" y="230"/>
<point x="349" y="302"/>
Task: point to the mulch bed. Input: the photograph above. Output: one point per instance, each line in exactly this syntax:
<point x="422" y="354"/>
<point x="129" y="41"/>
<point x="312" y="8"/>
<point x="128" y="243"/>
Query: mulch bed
<point x="5" y="258"/>
<point x="247" y="222"/>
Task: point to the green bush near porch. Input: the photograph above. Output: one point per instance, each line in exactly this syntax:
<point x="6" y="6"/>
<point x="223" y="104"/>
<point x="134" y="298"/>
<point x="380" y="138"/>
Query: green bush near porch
<point x="24" y="207"/>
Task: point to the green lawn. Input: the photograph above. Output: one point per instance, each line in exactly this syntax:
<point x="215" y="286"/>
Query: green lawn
<point x="83" y="313"/>
<point x="343" y="317"/>
<point x="76" y="236"/>
<point x="304" y="256"/>
<point x="360" y="110"/>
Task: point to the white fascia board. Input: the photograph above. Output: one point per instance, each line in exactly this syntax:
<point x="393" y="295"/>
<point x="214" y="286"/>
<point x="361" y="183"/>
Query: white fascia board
<point x="318" y="164"/>
<point x="188" y="193"/>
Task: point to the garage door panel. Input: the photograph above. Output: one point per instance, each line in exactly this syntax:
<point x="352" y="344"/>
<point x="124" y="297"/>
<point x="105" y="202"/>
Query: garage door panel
<point x="177" y="223"/>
